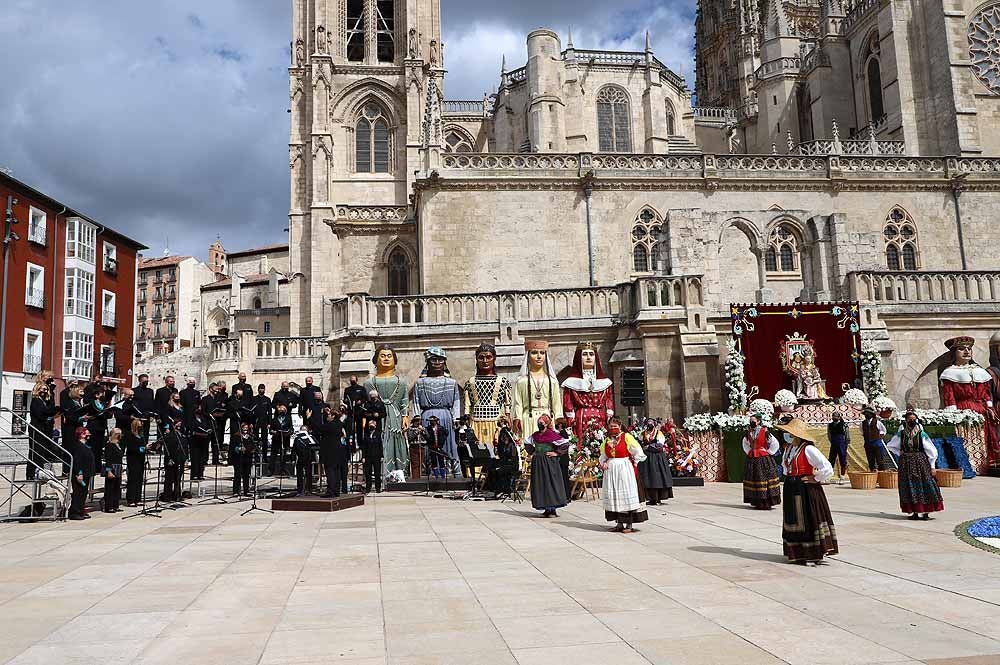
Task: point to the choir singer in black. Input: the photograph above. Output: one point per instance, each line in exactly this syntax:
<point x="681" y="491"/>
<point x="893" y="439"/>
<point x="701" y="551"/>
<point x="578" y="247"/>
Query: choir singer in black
<point x="333" y="452"/>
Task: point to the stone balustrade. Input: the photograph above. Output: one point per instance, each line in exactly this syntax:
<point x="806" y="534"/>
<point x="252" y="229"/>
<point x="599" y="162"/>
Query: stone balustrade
<point x="713" y="113"/>
<point x="464" y="107"/>
<point x="225" y="349"/>
<point x="363" y="312"/>
<point x="778" y="67"/>
<point x="851" y="148"/>
<point x="858" y="13"/>
<point x="290" y="347"/>
<point x="925" y="287"/>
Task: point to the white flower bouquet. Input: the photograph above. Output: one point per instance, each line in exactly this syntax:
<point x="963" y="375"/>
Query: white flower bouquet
<point x="855" y="397"/>
<point x="786" y="399"/>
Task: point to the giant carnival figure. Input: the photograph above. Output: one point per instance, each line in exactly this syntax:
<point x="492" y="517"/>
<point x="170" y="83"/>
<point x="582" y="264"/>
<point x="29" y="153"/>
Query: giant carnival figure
<point x="392" y="390"/>
<point x="966" y="385"/>
<point x="436" y="395"/>
<point x="587" y="393"/>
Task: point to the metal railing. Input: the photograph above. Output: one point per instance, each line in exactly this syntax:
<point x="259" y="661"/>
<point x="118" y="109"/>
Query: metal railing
<point x="32" y="364"/>
<point x="108" y="318"/>
<point x="45" y="458"/>
<point x="34" y="298"/>
<point x="36" y="233"/>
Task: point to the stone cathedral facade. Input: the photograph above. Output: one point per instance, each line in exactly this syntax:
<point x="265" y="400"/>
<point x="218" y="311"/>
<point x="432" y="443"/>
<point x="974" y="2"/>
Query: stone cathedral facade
<point x="839" y="150"/>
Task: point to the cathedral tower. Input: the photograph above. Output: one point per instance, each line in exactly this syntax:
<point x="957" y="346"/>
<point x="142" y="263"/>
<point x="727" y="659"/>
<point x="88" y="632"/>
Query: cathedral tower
<point x="361" y="74"/>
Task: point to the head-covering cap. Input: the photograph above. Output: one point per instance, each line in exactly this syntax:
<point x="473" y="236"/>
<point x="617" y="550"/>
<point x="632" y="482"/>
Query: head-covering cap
<point x="961" y="340"/>
<point x="435" y="352"/>
<point x="536" y="345"/>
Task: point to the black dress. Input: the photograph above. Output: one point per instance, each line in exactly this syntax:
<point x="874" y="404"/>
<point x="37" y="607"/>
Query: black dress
<point x="81" y="476"/>
<point x="503" y="471"/>
<point x="135" y="456"/>
<point x="333" y="455"/>
<point x="548" y="487"/>
<point x="655" y="472"/>
<point x="42" y="415"/>
<point x="113" y="469"/>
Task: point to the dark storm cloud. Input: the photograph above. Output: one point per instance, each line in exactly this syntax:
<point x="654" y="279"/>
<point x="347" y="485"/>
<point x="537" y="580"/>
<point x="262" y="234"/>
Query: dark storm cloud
<point x="167" y="120"/>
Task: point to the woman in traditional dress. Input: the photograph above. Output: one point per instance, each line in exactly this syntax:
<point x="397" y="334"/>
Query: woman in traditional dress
<point x="760" y="472"/>
<point x="918" y="490"/>
<point x="622" y="492"/>
<point x="548" y="491"/>
<point x="655" y="471"/>
<point x="966" y="385"/>
<point x="392" y="391"/>
<point x="808" y="533"/>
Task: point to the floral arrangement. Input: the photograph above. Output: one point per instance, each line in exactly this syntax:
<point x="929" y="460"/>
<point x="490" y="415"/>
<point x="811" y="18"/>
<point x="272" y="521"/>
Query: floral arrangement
<point x="872" y="373"/>
<point x="949" y="417"/>
<point x="736" y="385"/>
<point x="586" y="450"/>
<point x="704" y="422"/>
<point x="680" y="453"/>
<point x="763" y="408"/>
<point x="785" y="399"/>
<point x="883" y="403"/>
<point x="855" y="397"/>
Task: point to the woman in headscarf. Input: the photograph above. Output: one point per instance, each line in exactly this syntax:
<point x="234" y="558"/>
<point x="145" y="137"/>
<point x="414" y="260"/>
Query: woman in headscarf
<point x="622" y="492"/>
<point x="918" y="489"/>
<point x="548" y="491"/>
<point x="655" y="471"/>
<point x="808" y="533"/>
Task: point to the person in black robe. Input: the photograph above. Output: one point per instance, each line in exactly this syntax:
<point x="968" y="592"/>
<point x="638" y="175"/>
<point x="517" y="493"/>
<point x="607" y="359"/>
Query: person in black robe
<point x="241" y="453"/>
<point x="113" y="471"/>
<point x="466" y="440"/>
<point x="355" y="398"/>
<point x="281" y="438"/>
<point x="144" y="402"/>
<point x="81" y="472"/>
<point x="135" y="457"/>
<point x="503" y="469"/>
<point x="285" y="396"/>
<point x="237" y="414"/>
<point x="303" y="446"/>
<point x="214" y="407"/>
<point x="243" y="387"/>
<point x="200" y="432"/>
<point x="262" y="414"/>
<point x="42" y="412"/>
<point x="98" y="415"/>
<point x="175" y="456"/>
<point x="190" y="398"/>
<point x="174" y="411"/>
<point x="311" y="402"/>
<point x="333" y="452"/>
<point x="371" y="455"/>
<point x="438" y="461"/>
<point x="161" y="398"/>
<point x="74" y="414"/>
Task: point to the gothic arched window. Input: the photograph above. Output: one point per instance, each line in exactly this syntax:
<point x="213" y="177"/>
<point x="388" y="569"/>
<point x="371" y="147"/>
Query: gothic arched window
<point x="399" y="273"/>
<point x="671" y="120"/>
<point x="782" y="254"/>
<point x="614" y="125"/>
<point x="356" y="29"/>
<point x="873" y="74"/>
<point x="648" y="245"/>
<point x="456" y="141"/>
<point x="373" y="141"/>
<point x="901" y="245"/>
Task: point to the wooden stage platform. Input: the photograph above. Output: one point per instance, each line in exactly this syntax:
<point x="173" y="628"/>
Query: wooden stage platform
<point x="317" y="504"/>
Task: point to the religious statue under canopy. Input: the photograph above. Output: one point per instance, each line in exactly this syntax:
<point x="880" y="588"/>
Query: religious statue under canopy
<point x="966" y="385"/>
<point x="487" y="396"/>
<point x="436" y="395"/>
<point x="392" y="389"/>
<point x="798" y="359"/>
<point x="588" y="394"/>
<point x="536" y="391"/>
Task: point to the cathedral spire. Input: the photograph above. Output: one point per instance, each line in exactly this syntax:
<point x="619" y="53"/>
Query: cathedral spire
<point x="569" y="41"/>
<point x="649" y="43"/>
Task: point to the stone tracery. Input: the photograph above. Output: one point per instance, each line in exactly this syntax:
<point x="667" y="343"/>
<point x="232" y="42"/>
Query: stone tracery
<point x="984" y="46"/>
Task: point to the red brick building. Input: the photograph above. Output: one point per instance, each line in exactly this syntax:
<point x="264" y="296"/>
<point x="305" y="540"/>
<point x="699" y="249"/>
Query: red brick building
<point x="70" y="294"/>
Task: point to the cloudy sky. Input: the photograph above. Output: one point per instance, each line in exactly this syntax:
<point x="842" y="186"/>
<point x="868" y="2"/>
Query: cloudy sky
<point x="166" y="119"/>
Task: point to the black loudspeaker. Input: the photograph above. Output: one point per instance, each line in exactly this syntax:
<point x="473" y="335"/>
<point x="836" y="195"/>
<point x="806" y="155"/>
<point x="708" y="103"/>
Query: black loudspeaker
<point x="634" y="386"/>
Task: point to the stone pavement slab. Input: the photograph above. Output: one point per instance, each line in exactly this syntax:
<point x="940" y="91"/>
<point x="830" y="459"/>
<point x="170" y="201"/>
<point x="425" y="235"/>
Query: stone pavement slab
<point x="410" y="580"/>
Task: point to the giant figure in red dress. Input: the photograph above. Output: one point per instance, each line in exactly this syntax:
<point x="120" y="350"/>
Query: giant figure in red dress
<point x="966" y="385"/>
<point x="587" y="392"/>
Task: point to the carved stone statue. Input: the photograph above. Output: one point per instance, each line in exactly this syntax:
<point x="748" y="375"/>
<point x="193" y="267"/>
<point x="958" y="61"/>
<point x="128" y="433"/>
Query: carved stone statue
<point x="322" y="40"/>
<point x="413" y="49"/>
<point x="434" y="52"/>
<point x="300" y="53"/>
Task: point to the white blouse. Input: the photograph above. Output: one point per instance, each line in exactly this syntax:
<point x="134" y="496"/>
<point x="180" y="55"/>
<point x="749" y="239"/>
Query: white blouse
<point x="896" y="446"/>
<point x="822" y="469"/>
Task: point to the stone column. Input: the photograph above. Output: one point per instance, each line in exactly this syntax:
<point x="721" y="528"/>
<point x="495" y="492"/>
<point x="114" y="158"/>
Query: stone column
<point x="764" y="294"/>
<point x="247" y="352"/>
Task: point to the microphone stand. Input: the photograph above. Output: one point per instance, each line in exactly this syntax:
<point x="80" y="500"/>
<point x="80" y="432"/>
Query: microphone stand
<point x="215" y="498"/>
<point x="253" y="495"/>
<point x="145" y="511"/>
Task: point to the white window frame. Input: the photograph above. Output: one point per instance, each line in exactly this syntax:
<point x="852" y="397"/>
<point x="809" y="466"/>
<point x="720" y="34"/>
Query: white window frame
<point x="81" y="240"/>
<point x="77" y="304"/>
<point x="36" y="299"/>
<point x="79" y="361"/>
<point x="33" y="367"/>
<point x="36" y="227"/>
<point x="109" y="321"/>
<point x="99" y="359"/>
<point x="110" y="255"/>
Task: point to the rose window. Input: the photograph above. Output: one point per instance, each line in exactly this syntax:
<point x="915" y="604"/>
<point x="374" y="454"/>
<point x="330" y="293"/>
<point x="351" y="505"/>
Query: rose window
<point x="984" y="47"/>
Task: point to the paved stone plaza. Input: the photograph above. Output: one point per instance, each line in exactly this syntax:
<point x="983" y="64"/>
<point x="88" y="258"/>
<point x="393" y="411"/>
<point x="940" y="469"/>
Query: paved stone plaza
<point x="421" y="581"/>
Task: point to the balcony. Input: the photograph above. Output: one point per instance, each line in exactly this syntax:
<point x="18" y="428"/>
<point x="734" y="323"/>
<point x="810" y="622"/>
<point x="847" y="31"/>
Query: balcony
<point x="32" y="364"/>
<point x="36" y="234"/>
<point x="77" y="369"/>
<point x="108" y="318"/>
<point x="157" y="297"/>
<point x="965" y="290"/>
<point x="34" y="298"/>
<point x="169" y="279"/>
